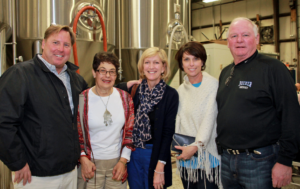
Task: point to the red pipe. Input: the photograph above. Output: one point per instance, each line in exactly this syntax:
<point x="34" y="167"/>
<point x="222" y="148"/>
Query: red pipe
<point x="75" y="27"/>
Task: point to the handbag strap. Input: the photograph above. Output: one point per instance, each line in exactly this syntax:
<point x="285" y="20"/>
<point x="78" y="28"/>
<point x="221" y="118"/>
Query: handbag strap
<point x="133" y="90"/>
<point x="175" y="140"/>
<point x="81" y="104"/>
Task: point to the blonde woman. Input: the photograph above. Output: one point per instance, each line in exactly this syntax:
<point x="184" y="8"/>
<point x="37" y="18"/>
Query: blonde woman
<point x="155" y="105"/>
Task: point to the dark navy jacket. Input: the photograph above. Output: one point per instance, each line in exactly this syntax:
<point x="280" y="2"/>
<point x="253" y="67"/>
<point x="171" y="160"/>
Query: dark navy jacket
<point x="164" y="127"/>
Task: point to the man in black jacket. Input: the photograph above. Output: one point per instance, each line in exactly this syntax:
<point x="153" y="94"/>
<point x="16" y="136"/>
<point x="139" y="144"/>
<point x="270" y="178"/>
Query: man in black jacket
<point x="258" y="115"/>
<point x="38" y="115"/>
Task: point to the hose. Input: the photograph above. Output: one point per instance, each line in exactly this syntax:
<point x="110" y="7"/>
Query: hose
<point x="75" y="27"/>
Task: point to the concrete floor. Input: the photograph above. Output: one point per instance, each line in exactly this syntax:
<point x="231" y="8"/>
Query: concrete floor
<point x="176" y="181"/>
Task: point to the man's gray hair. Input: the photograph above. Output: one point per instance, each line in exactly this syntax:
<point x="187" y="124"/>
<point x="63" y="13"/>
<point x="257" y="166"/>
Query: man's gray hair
<point x="254" y="26"/>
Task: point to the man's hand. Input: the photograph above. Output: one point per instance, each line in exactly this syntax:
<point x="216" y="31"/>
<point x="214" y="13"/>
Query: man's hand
<point x="187" y="152"/>
<point x="88" y="168"/>
<point x="24" y="174"/>
<point x="281" y="175"/>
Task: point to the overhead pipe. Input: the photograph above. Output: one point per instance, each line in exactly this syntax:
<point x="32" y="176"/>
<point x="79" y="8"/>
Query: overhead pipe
<point x="75" y="27"/>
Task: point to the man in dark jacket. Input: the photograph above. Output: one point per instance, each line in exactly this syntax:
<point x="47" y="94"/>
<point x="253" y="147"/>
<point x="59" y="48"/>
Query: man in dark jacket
<point x="258" y="115"/>
<point x="38" y="111"/>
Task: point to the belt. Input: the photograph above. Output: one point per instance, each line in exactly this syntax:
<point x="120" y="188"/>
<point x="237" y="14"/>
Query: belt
<point x="237" y="152"/>
<point x="221" y="149"/>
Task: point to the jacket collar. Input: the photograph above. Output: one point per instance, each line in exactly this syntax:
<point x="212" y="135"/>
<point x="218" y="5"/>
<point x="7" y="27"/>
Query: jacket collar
<point x="38" y="62"/>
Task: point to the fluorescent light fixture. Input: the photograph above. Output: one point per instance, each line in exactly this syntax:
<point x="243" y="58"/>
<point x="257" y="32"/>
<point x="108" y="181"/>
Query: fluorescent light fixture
<point x="208" y="1"/>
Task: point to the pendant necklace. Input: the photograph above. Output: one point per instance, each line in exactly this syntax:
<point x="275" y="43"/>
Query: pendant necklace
<point x="107" y="115"/>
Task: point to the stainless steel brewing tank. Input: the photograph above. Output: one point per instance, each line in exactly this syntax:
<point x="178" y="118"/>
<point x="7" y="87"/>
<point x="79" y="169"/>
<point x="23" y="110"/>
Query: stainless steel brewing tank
<point x="148" y="23"/>
<point x="35" y="16"/>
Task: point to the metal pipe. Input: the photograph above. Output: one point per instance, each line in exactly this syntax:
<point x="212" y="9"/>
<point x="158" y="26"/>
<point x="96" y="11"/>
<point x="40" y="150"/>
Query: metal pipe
<point x="276" y="24"/>
<point x="297" y="43"/>
<point x="120" y="41"/>
<point x="75" y="27"/>
<point x="13" y="14"/>
<point x="5" y="177"/>
<point x="190" y="19"/>
<point x="2" y="50"/>
<point x="213" y="14"/>
<point x="36" y="47"/>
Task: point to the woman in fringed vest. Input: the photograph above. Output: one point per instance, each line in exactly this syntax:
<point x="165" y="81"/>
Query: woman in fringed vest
<point x="196" y="117"/>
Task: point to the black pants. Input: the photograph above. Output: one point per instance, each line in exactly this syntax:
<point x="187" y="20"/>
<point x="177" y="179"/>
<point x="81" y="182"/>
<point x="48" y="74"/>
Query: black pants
<point x="200" y="184"/>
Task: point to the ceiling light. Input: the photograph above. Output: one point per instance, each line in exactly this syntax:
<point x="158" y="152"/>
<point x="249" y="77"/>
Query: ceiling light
<point x="209" y="1"/>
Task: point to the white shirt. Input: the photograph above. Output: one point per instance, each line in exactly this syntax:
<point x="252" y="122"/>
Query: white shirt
<point x="106" y="141"/>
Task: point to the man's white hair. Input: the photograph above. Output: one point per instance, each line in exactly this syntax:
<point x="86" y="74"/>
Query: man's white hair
<point x="254" y="26"/>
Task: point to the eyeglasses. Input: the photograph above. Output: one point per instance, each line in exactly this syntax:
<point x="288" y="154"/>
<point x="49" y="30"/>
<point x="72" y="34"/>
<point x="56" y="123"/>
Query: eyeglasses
<point x="230" y="76"/>
<point x="104" y="72"/>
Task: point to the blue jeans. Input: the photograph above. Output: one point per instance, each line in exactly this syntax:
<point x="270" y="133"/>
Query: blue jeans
<point x="251" y="171"/>
<point x="138" y="167"/>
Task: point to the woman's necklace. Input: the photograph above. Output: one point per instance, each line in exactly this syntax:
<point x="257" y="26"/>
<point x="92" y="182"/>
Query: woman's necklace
<point x="107" y="115"/>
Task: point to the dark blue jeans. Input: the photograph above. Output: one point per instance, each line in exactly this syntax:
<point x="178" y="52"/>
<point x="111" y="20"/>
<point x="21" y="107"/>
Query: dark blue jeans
<point x="251" y="171"/>
<point x="138" y="167"/>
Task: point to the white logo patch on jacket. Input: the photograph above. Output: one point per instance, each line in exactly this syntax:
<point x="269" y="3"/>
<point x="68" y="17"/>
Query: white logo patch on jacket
<point x="245" y="84"/>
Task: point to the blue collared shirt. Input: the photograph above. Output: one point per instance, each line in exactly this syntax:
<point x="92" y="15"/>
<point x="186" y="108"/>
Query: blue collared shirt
<point x="64" y="77"/>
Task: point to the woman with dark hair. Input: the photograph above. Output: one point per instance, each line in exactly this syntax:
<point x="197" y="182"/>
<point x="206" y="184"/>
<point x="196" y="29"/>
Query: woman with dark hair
<point x="155" y="105"/>
<point x="108" y="119"/>
<point x="196" y="117"/>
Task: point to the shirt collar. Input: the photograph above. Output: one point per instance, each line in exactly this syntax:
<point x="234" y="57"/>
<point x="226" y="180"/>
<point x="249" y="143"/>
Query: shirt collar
<point x="248" y="59"/>
<point x="51" y="67"/>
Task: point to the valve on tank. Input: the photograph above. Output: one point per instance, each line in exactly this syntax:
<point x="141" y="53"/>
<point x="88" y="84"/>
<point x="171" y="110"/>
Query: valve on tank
<point x="178" y="34"/>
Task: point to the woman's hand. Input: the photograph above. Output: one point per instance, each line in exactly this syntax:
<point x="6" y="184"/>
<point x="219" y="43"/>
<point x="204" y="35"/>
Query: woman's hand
<point x="88" y="168"/>
<point x="133" y="82"/>
<point x="119" y="169"/>
<point x="187" y="152"/>
<point x="159" y="176"/>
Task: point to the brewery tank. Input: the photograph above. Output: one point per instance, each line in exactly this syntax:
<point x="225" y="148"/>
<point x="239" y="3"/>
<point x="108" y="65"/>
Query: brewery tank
<point x="35" y="16"/>
<point x="149" y="23"/>
<point x="144" y="24"/>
